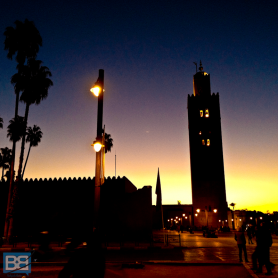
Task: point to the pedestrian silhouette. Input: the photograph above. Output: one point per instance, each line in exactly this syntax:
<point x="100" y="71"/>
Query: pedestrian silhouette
<point x="241" y="243"/>
<point x="88" y="261"/>
<point x="264" y="242"/>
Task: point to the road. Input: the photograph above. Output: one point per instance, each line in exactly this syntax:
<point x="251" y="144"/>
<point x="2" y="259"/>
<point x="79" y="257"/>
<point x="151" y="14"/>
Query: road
<point x="197" y="257"/>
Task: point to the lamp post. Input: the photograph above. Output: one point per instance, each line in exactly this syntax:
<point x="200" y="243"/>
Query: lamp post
<point x="98" y="144"/>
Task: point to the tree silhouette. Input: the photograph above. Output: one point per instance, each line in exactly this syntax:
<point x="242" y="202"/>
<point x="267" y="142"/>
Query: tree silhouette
<point x="34" y="136"/>
<point x="6" y="155"/>
<point x="16" y="129"/>
<point x="34" y="82"/>
<point x="108" y="142"/>
<point x="1" y="122"/>
<point x="23" y="42"/>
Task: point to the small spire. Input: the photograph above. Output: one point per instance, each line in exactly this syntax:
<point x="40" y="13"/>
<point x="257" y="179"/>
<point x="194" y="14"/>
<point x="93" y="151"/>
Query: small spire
<point x="201" y="67"/>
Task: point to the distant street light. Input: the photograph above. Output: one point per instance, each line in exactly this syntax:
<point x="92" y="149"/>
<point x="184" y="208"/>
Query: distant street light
<point x="98" y="144"/>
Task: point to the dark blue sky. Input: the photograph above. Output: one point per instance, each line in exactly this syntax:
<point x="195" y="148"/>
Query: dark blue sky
<point x="147" y="49"/>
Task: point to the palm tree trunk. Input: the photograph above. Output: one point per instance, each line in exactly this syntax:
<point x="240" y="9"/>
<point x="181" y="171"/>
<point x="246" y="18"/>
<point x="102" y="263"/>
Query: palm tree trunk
<point x="18" y="179"/>
<point x="23" y="142"/>
<point x="11" y="176"/>
<point x="26" y="161"/>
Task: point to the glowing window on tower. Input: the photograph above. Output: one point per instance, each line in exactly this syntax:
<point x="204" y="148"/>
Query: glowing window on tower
<point x="206" y="113"/>
<point x="203" y="142"/>
<point x="201" y="113"/>
<point x="208" y="142"/>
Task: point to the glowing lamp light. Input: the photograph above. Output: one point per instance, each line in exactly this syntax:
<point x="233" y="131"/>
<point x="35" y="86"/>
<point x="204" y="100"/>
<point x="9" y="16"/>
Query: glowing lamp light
<point x="171" y="218"/>
<point x="176" y="217"/>
<point x="215" y="210"/>
<point x="186" y="218"/>
<point x="168" y="220"/>
<point x="183" y="215"/>
<point x="196" y="214"/>
<point x="179" y="219"/>
<point x="225" y="220"/>
<point x="239" y="219"/>
<point x="219" y="220"/>
<point x="232" y="219"/>
<point x="96" y="90"/>
<point x="97" y="146"/>
<point x="198" y="210"/>
<point x="261" y="218"/>
<point x="251" y="218"/>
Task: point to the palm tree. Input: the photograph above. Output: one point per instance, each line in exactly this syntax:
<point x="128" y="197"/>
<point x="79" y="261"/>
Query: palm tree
<point x="6" y="155"/>
<point x="1" y="122"/>
<point x="32" y="80"/>
<point x="34" y="83"/>
<point x="34" y="136"/>
<point x="16" y="129"/>
<point x="23" y="42"/>
<point x="108" y="142"/>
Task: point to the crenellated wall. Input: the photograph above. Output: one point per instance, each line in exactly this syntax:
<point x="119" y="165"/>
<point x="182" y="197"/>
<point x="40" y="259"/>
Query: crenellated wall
<point x="65" y="206"/>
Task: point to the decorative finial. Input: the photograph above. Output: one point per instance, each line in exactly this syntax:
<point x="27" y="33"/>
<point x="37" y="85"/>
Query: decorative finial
<point x="201" y="67"/>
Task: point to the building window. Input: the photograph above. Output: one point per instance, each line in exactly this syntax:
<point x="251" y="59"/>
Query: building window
<point x="203" y="142"/>
<point x="201" y="113"/>
<point x="206" y="113"/>
<point x="208" y="142"/>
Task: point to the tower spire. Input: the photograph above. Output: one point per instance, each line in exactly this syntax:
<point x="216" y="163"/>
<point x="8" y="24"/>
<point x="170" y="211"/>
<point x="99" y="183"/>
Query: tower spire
<point x="201" y="67"/>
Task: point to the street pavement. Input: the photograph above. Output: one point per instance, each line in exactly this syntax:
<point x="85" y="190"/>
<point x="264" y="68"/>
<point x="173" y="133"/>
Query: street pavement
<point x="193" y="256"/>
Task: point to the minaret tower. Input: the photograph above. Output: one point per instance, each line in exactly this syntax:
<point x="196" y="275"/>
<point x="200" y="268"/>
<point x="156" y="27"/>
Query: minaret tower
<point x="206" y="154"/>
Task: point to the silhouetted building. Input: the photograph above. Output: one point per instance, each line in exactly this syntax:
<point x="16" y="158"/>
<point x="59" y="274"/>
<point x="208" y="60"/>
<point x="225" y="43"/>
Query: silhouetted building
<point x="206" y="154"/>
<point x="126" y="212"/>
<point x="64" y="207"/>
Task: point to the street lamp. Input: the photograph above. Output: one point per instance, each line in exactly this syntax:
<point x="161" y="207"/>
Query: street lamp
<point x="98" y="144"/>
